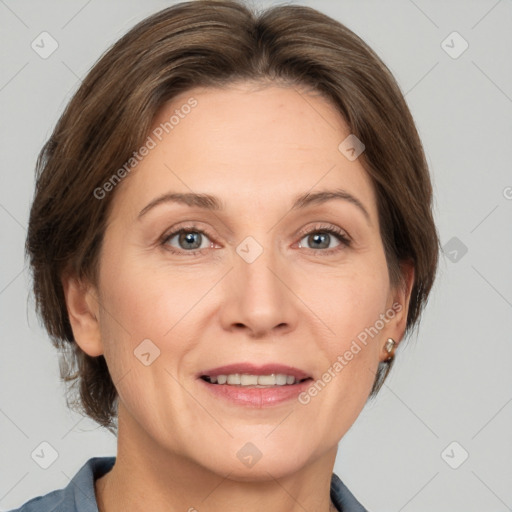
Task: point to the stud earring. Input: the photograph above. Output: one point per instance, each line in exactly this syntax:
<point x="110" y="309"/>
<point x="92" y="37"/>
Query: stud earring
<point x="390" y="347"/>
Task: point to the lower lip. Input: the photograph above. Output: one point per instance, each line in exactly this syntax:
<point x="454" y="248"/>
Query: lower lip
<point x="257" y="397"/>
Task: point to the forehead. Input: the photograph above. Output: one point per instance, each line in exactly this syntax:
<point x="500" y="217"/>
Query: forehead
<point x="249" y="143"/>
<point x="270" y="122"/>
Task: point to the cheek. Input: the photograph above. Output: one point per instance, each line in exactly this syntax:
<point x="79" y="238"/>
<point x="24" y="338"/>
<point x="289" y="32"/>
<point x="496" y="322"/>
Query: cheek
<point x="354" y="312"/>
<point x="139" y="306"/>
<point x="147" y="302"/>
<point x="136" y="294"/>
<point x="351" y="299"/>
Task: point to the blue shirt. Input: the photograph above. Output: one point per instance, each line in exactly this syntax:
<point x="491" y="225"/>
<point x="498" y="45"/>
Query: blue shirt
<point x="79" y="496"/>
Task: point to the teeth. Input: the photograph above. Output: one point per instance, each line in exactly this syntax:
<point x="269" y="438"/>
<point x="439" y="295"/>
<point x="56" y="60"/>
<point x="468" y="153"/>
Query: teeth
<point x="234" y="378"/>
<point x="281" y="379"/>
<point x="268" y="380"/>
<point x="237" y="379"/>
<point x="248" y="380"/>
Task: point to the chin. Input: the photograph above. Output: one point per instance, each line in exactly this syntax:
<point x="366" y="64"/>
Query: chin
<point x="259" y="461"/>
<point x="262" y="471"/>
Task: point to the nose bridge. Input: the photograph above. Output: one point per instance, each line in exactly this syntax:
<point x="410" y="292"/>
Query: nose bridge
<point x="256" y="268"/>
<point x="261" y="301"/>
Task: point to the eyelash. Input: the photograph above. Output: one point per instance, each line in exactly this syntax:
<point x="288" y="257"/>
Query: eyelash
<point x="331" y="230"/>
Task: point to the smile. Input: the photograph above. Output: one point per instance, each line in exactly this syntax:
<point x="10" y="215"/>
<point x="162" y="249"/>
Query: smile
<point x="237" y="379"/>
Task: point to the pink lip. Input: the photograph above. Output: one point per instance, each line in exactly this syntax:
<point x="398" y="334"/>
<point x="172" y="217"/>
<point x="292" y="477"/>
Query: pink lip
<point x="251" y="396"/>
<point x="252" y="369"/>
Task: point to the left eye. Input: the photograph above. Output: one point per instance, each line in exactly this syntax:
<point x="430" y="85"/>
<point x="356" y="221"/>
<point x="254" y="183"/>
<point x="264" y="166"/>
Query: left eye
<point x="321" y="239"/>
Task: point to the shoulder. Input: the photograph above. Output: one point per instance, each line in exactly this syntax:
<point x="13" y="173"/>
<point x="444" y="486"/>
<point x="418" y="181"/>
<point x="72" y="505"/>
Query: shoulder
<point x="344" y="500"/>
<point x="77" y="496"/>
<point x="48" y="502"/>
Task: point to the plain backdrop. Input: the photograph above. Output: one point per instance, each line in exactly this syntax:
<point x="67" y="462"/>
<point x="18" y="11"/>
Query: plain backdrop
<point x="438" y="437"/>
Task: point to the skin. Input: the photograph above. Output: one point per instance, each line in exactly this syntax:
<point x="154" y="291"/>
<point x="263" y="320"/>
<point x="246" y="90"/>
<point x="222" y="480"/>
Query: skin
<point x="256" y="148"/>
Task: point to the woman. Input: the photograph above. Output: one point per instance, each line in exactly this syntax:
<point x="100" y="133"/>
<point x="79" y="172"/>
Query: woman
<point x="231" y="233"/>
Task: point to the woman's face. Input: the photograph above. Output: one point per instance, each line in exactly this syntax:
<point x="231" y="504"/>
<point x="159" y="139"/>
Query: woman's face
<point x="261" y="280"/>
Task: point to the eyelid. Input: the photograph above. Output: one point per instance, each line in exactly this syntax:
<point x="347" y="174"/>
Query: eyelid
<point x="327" y="227"/>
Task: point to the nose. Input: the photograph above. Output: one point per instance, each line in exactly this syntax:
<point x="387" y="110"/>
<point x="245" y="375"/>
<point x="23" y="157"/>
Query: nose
<point x="258" y="297"/>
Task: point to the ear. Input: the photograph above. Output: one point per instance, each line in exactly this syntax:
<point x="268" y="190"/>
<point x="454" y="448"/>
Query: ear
<point x="83" y="311"/>
<point x="400" y="299"/>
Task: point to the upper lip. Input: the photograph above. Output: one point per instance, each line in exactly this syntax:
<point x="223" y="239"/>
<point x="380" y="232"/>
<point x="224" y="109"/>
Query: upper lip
<point x="253" y="369"/>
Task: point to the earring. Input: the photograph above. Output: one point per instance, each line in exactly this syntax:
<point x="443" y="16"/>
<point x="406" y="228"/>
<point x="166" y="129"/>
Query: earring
<point x="390" y="347"/>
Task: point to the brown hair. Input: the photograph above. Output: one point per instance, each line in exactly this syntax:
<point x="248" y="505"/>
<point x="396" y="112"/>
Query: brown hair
<point x="215" y="43"/>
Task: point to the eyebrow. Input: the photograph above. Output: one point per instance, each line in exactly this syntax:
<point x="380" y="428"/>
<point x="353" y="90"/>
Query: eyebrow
<point x="212" y="203"/>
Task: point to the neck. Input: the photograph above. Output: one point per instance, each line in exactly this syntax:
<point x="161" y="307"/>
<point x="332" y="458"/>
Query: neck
<point x="145" y="476"/>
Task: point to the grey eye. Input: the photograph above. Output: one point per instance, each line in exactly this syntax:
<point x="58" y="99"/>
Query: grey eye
<point x="188" y="240"/>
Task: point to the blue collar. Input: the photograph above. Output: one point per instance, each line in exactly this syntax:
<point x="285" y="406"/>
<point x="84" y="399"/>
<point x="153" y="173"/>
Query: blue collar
<point x="79" y="496"/>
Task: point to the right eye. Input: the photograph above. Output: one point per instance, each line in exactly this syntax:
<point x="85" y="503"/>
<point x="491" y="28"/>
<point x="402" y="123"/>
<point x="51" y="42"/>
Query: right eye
<point x="190" y="240"/>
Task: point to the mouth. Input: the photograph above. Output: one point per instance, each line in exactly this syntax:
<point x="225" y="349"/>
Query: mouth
<point x="256" y="386"/>
<point x="248" y="374"/>
<point x="260" y="381"/>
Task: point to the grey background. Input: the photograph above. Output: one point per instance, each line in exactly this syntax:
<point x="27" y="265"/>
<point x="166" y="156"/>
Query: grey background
<point x="452" y="382"/>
